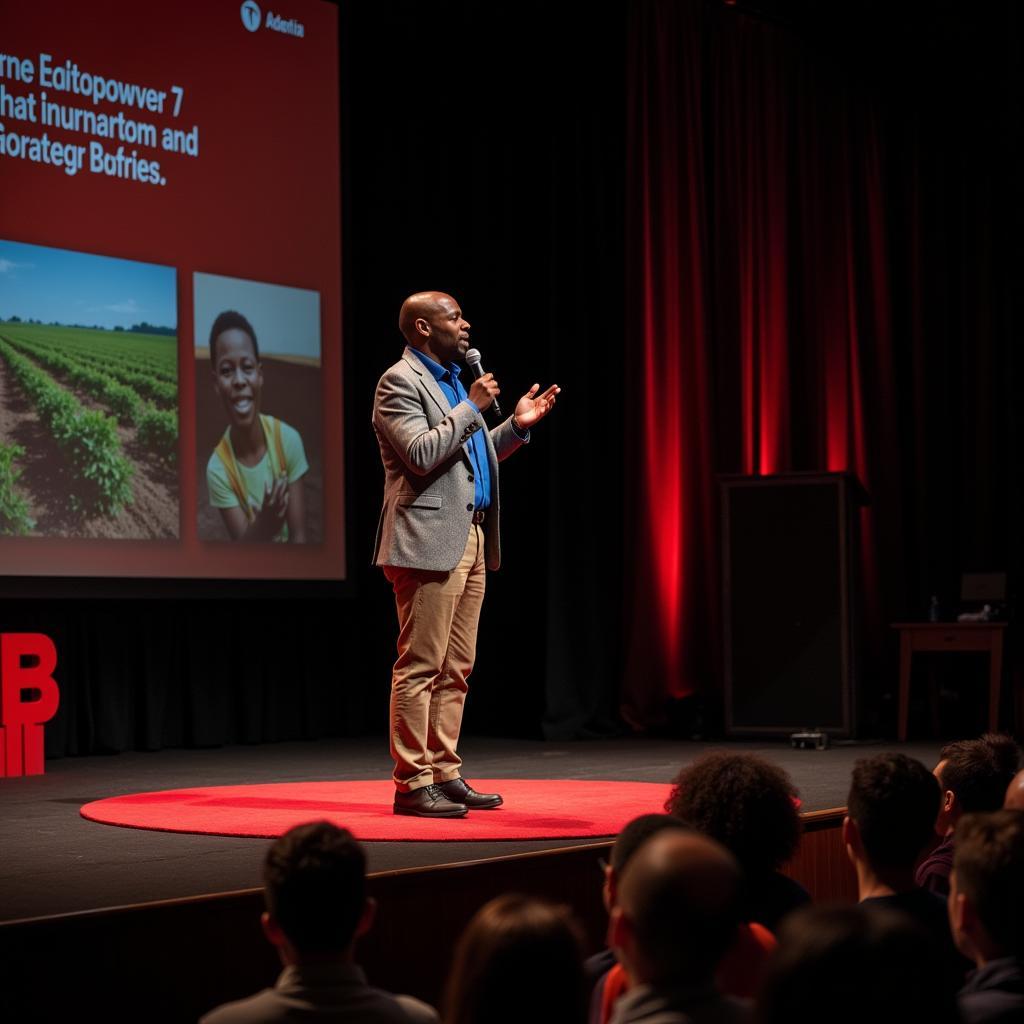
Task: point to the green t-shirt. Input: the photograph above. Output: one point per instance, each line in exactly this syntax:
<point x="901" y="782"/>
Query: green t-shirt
<point x="256" y="478"/>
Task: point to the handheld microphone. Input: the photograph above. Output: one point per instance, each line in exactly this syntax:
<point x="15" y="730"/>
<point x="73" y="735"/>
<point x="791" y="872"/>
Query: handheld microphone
<point x="476" y="368"/>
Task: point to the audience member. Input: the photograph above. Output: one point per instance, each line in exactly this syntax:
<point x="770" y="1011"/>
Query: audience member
<point x="855" y="965"/>
<point x="750" y="806"/>
<point x="973" y="776"/>
<point x="315" y="887"/>
<point x="891" y="807"/>
<point x="1014" y="799"/>
<point x="519" y="961"/>
<point x="677" y="913"/>
<point x="741" y="969"/>
<point x="626" y="844"/>
<point x="986" y="913"/>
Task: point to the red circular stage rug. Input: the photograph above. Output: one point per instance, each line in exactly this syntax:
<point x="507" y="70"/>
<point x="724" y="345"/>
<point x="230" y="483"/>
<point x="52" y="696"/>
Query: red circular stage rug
<point x="533" y="809"/>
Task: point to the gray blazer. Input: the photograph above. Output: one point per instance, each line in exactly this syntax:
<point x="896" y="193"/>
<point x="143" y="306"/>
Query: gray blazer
<point x="428" y="475"/>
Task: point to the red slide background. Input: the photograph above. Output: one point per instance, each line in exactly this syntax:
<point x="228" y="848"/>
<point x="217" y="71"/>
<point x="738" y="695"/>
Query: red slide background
<point x="261" y="202"/>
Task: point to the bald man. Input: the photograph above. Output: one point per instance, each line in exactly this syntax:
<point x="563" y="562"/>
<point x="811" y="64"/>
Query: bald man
<point x="436" y="539"/>
<point x="1014" y="799"/>
<point x="677" y="914"/>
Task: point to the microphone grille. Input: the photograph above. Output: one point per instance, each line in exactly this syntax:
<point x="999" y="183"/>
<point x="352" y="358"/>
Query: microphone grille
<point x="472" y="355"/>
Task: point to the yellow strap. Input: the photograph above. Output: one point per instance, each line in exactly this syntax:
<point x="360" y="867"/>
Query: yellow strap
<point x="272" y="430"/>
<point x="275" y="446"/>
<point x="227" y="457"/>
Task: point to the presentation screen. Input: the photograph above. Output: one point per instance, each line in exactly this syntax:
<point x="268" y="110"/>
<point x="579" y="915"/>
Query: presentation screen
<point x="170" y="290"/>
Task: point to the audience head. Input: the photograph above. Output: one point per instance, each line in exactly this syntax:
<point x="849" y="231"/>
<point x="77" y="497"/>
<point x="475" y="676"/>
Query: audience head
<point x="848" y="965"/>
<point x="892" y="806"/>
<point x="519" y="959"/>
<point x="1014" y="798"/>
<point x="986" y="896"/>
<point x="314" y="879"/>
<point x="974" y="775"/>
<point x="678" y="909"/>
<point x="745" y="803"/>
<point x="628" y="841"/>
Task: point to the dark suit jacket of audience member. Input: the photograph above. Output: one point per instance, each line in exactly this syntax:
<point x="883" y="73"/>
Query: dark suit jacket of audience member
<point x="769" y="898"/>
<point x="934" y="871"/>
<point x="929" y="911"/>
<point x="994" y="993"/>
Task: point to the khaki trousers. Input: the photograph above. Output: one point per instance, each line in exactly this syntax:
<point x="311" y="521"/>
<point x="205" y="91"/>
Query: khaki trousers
<point x="438" y="613"/>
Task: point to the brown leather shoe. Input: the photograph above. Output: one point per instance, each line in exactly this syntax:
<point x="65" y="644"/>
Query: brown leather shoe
<point x="460" y="790"/>
<point x="428" y="802"/>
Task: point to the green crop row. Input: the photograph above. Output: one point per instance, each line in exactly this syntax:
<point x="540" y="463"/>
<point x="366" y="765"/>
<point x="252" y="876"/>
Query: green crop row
<point x="168" y="373"/>
<point x="14" y="518"/>
<point x="158" y="346"/>
<point x="104" y="348"/>
<point x="158" y="431"/>
<point x="87" y="438"/>
<point x="120" y="400"/>
<point x="163" y="392"/>
<point x="103" y="355"/>
<point x="160" y="391"/>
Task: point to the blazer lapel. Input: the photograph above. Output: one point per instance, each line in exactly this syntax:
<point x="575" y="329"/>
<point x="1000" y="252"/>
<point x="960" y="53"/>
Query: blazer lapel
<point x="433" y="389"/>
<point x="429" y="384"/>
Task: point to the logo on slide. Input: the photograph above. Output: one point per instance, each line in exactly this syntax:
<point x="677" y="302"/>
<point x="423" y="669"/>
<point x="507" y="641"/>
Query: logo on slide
<point x="251" y="15"/>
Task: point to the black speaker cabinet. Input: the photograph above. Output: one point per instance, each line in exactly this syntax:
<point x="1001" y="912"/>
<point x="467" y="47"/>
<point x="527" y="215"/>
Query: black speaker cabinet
<point x="790" y="599"/>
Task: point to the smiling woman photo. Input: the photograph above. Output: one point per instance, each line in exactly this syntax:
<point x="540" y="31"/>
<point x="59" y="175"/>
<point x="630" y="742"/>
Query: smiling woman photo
<point x="254" y="475"/>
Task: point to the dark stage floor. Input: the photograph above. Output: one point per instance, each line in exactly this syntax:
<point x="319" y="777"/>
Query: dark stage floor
<point x="55" y="862"/>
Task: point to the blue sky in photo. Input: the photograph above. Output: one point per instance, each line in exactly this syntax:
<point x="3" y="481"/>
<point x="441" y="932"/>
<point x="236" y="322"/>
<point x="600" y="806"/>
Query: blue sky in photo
<point x="46" y="284"/>
<point x="286" y="320"/>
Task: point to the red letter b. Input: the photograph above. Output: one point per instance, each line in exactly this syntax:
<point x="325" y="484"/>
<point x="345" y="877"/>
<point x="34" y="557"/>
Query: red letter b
<point x="30" y="697"/>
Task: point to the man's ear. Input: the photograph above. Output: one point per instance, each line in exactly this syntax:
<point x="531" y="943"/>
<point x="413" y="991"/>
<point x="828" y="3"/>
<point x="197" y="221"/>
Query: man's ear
<point x="368" y="916"/>
<point x="422" y="327"/>
<point x="851" y="839"/>
<point x="619" y="929"/>
<point x="271" y="929"/>
<point x="609" y="891"/>
<point x="960" y="910"/>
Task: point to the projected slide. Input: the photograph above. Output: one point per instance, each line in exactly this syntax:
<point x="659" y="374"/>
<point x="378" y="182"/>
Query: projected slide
<point x="170" y="264"/>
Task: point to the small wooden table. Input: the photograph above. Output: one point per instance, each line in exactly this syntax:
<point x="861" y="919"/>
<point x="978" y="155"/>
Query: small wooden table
<point x="951" y="636"/>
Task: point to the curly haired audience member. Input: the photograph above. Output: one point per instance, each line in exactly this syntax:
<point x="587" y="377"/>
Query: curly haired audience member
<point x="750" y="806"/>
<point x="677" y="915"/>
<point x="973" y="776"/>
<point x="986" y="913"/>
<point x="519" y="961"/>
<point x="855" y="965"/>
<point x="315" y="886"/>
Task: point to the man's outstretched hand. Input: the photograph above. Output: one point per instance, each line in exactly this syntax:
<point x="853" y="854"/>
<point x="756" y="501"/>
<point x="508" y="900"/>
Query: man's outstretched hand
<point x="532" y="408"/>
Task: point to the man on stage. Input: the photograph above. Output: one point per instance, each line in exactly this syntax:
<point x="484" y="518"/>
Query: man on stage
<point x="437" y="536"/>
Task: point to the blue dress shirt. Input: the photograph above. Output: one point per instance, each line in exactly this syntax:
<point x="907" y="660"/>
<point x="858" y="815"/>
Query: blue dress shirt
<point x="448" y="380"/>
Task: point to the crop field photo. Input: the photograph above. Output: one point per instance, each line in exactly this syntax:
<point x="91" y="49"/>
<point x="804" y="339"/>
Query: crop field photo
<point x="88" y="396"/>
